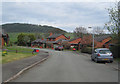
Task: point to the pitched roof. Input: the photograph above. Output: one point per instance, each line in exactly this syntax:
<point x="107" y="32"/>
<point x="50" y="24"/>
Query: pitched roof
<point x="60" y="40"/>
<point x="101" y="37"/>
<point x="73" y="39"/>
<point x="44" y="41"/>
<point x="54" y="35"/>
<point x="40" y="40"/>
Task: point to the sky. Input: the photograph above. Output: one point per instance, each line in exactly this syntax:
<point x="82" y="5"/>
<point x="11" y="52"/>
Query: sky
<point x="64" y="15"/>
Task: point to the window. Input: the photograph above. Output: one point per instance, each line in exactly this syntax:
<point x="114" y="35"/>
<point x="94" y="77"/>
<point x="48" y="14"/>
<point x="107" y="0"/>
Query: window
<point x="104" y="51"/>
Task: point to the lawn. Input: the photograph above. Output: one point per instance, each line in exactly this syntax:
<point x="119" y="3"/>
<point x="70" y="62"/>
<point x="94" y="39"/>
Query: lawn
<point x="12" y="55"/>
<point x="70" y="34"/>
<point x="18" y="48"/>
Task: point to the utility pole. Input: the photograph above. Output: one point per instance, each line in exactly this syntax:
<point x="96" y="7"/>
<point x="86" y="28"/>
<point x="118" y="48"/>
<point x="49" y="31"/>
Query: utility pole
<point x="93" y="40"/>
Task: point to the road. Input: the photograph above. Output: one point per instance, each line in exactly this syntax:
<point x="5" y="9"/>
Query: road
<point x="66" y="66"/>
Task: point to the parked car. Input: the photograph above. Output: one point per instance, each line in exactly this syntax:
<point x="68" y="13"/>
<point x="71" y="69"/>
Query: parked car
<point x="74" y="49"/>
<point x="60" y="48"/>
<point x="102" y="54"/>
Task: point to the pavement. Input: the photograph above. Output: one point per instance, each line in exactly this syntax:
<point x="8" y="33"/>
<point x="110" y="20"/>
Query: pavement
<point x="66" y="66"/>
<point x="12" y="68"/>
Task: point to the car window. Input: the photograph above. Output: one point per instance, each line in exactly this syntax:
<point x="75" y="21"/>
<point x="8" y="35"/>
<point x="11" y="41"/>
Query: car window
<point x="104" y="51"/>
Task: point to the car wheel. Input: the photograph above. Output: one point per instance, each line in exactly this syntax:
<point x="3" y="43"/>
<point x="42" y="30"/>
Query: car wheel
<point x="96" y="60"/>
<point x="92" y="59"/>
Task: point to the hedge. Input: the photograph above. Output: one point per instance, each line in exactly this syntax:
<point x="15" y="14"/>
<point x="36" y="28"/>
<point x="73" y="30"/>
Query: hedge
<point x="87" y="50"/>
<point x="114" y="49"/>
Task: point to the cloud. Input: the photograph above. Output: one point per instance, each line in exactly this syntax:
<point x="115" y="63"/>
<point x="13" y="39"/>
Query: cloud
<point x="60" y="0"/>
<point x="64" y="15"/>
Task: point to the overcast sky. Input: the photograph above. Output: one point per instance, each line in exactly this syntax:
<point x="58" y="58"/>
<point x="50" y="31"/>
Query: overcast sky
<point x="64" y="15"/>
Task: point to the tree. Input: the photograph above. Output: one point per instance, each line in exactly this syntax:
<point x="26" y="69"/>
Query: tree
<point x="113" y="24"/>
<point x="87" y="40"/>
<point x="26" y="39"/>
<point x="114" y="27"/>
<point x="98" y="30"/>
<point x="79" y="31"/>
<point x="20" y="39"/>
<point x="32" y="37"/>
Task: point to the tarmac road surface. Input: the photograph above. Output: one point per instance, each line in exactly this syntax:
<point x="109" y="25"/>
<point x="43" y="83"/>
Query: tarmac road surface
<point x="66" y="66"/>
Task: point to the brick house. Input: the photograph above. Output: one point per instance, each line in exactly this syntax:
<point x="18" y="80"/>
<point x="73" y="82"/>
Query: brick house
<point x="103" y="41"/>
<point x="56" y="39"/>
<point x="52" y="39"/>
<point x="75" y="42"/>
<point x="100" y="41"/>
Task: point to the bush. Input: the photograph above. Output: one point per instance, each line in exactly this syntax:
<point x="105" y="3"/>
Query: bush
<point x="87" y="50"/>
<point x="114" y="50"/>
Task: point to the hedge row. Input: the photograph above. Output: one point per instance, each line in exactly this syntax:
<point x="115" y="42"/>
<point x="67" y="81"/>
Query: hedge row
<point x="87" y="50"/>
<point x="114" y="49"/>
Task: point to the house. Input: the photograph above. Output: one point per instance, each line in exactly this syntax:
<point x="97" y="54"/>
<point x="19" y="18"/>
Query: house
<point x="103" y="41"/>
<point x="100" y="41"/>
<point x="55" y="37"/>
<point x="75" y="42"/>
<point x="51" y="41"/>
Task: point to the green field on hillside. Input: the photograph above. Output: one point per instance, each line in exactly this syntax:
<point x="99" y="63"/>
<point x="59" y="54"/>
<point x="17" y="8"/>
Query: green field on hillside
<point x="13" y="36"/>
<point x="70" y="34"/>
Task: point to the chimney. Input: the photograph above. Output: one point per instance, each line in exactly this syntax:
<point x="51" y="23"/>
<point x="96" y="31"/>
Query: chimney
<point x="51" y="34"/>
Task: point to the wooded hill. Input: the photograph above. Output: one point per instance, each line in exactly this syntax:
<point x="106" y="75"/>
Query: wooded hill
<point x="30" y="28"/>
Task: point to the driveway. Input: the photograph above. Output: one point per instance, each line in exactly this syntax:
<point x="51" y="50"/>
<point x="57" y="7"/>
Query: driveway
<point x="66" y="66"/>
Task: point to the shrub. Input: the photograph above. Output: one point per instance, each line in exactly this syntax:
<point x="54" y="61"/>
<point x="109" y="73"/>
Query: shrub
<point x="87" y="50"/>
<point x="114" y="50"/>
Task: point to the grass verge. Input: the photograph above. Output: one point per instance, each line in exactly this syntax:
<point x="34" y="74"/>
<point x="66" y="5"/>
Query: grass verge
<point x="13" y="56"/>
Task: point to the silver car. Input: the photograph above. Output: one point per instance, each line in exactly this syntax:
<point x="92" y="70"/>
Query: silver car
<point x="102" y="54"/>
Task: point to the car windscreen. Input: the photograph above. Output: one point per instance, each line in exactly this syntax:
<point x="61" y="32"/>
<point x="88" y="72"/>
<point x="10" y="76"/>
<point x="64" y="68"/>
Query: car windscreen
<point x="104" y="52"/>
